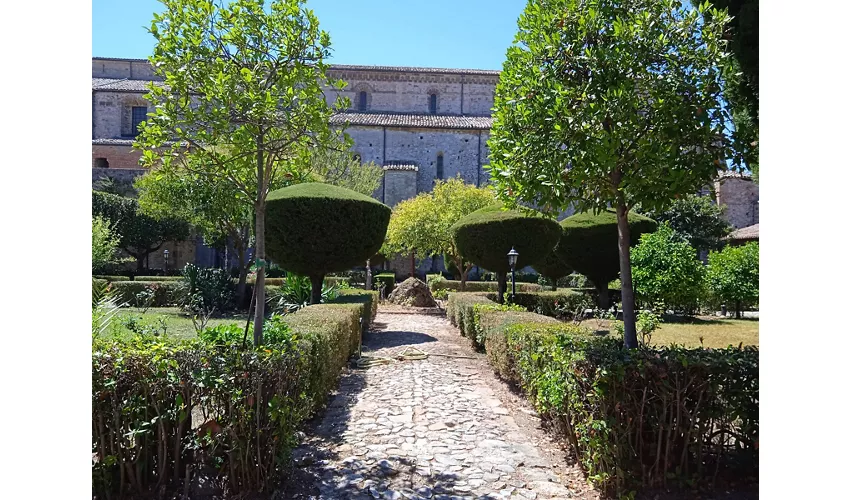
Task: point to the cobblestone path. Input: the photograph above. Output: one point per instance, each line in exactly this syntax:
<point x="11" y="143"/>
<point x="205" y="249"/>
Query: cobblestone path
<point x="432" y="428"/>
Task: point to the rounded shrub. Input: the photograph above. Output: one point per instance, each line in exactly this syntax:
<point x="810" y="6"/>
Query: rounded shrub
<point x="666" y="271"/>
<point x="589" y="245"/>
<point x="733" y="275"/>
<point x="553" y="268"/>
<point x="485" y="237"/>
<point x="313" y="229"/>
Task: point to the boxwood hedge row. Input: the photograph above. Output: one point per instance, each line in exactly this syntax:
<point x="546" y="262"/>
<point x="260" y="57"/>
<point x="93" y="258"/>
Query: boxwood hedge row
<point x="643" y="418"/>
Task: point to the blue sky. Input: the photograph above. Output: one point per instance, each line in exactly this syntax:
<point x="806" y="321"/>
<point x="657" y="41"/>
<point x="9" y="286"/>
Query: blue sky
<point x="438" y="33"/>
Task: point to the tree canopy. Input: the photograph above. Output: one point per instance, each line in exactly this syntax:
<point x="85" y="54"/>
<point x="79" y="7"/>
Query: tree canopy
<point x="485" y="237"/>
<point x="314" y="229"/>
<point x="733" y="275"/>
<point x="610" y="104"/>
<point x="697" y="219"/>
<point x="243" y="91"/>
<point x="423" y="224"/>
<point x="139" y="234"/>
<point x="104" y="244"/>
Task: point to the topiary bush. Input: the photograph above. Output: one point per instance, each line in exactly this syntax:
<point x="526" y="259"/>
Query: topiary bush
<point x="485" y="237"/>
<point x="553" y="268"/>
<point x="666" y="271"/>
<point x="480" y="286"/>
<point x="589" y="245"/>
<point x="314" y="229"/>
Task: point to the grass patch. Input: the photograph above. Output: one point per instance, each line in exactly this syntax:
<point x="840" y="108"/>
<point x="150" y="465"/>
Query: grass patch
<point x="178" y="324"/>
<point x="716" y="332"/>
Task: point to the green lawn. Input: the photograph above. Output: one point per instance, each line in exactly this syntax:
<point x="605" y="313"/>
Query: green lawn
<point x="178" y="325"/>
<point x="716" y="332"/>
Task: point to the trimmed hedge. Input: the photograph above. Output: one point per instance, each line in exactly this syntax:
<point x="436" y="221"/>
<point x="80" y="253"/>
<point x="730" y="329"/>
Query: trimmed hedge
<point x="328" y="281"/>
<point x="641" y="418"/>
<point x="367" y="300"/>
<point x="561" y="304"/>
<point x="313" y="229"/>
<point x="481" y="286"/>
<point x="166" y="293"/>
<point x="163" y="409"/>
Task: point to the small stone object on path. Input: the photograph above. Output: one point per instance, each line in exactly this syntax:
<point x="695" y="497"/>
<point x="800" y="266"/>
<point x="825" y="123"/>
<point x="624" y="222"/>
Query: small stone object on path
<point x="412" y="292"/>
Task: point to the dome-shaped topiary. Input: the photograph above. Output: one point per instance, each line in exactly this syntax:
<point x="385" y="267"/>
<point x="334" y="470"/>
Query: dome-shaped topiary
<point x="553" y="267"/>
<point x="313" y="229"/>
<point x="589" y="245"/>
<point x="485" y="237"/>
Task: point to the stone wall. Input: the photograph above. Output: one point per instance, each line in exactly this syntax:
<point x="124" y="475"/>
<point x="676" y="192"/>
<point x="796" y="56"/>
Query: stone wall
<point x="398" y="185"/>
<point x="112" y="112"/>
<point x="408" y="92"/>
<point x="119" y="156"/>
<point x="133" y="69"/>
<point x="741" y="197"/>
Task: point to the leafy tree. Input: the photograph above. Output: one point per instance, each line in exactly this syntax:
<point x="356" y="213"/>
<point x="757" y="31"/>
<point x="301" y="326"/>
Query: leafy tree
<point x="217" y="209"/>
<point x="696" y="218"/>
<point x="104" y="244"/>
<point x="423" y="224"/>
<point x="140" y="234"/>
<point x="742" y="90"/>
<point x="733" y="275"/>
<point x="338" y="166"/>
<point x="666" y="271"/>
<point x="315" y="229"/>
<point x="243" y="91"/>
<point x="589" y="245"/>
<point x="610" y="104"/>
<point x="485" y="237"/>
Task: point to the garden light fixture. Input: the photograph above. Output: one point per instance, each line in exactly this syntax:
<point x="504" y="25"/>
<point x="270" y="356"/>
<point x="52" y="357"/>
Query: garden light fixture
<point x="165" y="256"/>
<point x="512" y="257"/>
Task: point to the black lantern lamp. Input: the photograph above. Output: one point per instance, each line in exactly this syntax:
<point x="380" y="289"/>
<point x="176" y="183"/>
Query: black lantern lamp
<point x="512" y="257"/>
<point x="165" y="256"/>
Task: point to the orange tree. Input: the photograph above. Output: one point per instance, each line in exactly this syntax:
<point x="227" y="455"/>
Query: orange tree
<point x="609" y="104"/>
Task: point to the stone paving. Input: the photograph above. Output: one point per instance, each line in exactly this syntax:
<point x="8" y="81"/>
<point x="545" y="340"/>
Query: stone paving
<point x="421" y="429"/>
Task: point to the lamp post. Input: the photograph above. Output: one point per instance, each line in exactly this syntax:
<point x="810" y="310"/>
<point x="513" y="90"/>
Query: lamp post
<point x="165" y="256"/>
<point x="512" y="256"/>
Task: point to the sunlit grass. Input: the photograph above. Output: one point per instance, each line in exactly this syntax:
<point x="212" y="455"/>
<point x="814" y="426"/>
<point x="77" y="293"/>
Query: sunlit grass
<point x="178" y="324"/>
<point x="715" y="332"/>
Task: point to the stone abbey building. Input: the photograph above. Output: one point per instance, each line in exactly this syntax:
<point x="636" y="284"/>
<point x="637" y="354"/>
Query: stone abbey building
<point x="420" y="124"/>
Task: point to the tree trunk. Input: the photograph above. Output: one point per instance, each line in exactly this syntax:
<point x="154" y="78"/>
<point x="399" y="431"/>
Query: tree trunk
<point x="413" y="263"/>
<point x="554" y="284"/>
<point x="260" y="248"/>
<point x="368" y="275"/>
<point x="243" y="274"/>
<point x="503" y="286"/>
<point x="316" y="295"/>
<point x="464" y="271"/>
<point x="602" y="295"/>
<point x="628" y="294"/>
<point x="140" y="263"/>
<point x="737" y="309"/>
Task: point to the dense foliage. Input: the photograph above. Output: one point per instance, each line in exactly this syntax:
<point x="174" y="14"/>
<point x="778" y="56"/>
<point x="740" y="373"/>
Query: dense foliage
<point x="423" y="224"/>
<point x="485" y="237"/>
<point x="696" y="218"/>
<point x="588" y="244"/>
<point x="654" y="417"/>
<point x="104" y="244"/>
<point x="610" y="104"/>
<point x="667" y="272"/>
<point x="733" y="275"/>
<point x="313" y="229"/>
<point x="553" y="268"/>
<point x="243" y="91"/>
<point x="294" y="293"/>
<point x="225" y="414"/>
<point x="139" y="234"/>
<point x="480" y="286"/>
<point x="205" y="290"/>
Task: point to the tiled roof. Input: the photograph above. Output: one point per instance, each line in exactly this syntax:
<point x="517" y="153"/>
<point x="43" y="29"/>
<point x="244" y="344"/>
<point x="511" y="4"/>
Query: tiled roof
<point x="413" y="121"/>
<point x="359" y="67"/>
<point x="121" y="84"/>
<point x="734" y="175"/>
<point x="401" y="166"/>
<point x="745" y="233"/>
<point x="112" y="142"/>
<point x="413" y="69"/>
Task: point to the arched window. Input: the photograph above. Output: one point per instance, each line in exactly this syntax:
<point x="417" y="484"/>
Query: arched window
<point x="439" y="165"/>
<point x="432" y="103"/>
<point x="362" y="103"/>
